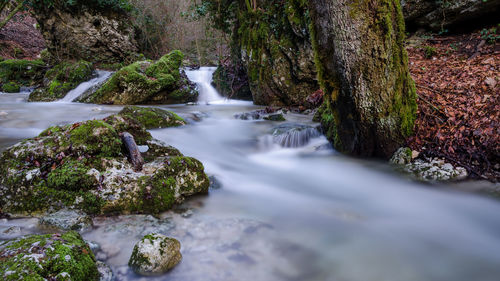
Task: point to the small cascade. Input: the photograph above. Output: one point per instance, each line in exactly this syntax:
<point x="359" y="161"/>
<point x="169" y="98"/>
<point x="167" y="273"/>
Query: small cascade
<point x="102" y="76"/>
<point x="289" y="136"/>
<point x="203" y="79"/>
<point x="296" y="137"/>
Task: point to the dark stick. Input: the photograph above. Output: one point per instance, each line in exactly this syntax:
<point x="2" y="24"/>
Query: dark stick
<point x="134" y="154"/>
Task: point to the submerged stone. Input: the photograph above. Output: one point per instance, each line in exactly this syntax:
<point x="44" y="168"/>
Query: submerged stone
<point x="67" y="220"/>
<point x="84" y="166"/>
<point x="155" y="254"/>
<point x="50" y="256"/>
<point x="147" y="82"/>
<point x="426" y="169"/>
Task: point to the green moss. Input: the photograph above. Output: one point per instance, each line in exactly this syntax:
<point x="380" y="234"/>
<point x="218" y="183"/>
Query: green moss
<point x="143" y="82"/>
<point x="152" y="118"/>
<point x="50" y="256"/>
<point x="96" y="137"/>
<point x="72" y="175"/>
<point x="11" y="87"/>
<point x="62" y="78"/>
<point x="22" y="72"/>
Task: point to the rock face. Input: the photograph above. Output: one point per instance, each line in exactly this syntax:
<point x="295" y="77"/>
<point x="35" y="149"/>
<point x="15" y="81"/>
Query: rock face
<point x="147" y="82"/>
<point x="90" y="30"/>
<point x="449" y="14"/>
<point x="278" y="54"/>
<point x="231" y="81"/>
<point x="61" y="79"/>
<point x="84" y="166"/>
<point x="155" y="254"/>
<point x="51" y="256"/>
<point x="370" y="98"/>
<point x="18" y="73"/>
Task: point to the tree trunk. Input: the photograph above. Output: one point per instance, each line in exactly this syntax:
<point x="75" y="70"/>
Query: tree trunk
<point x="370" y="98"/>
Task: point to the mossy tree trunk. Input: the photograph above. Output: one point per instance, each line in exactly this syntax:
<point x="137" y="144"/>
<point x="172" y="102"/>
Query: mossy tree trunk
<point x="370" y="99"/>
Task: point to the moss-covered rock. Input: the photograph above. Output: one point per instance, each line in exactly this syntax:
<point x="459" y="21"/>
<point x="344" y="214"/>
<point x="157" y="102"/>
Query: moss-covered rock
<point x="61" y="79"/>
<point x="48" y="257"/>
<point x="155" y="254"/>
<point x="11" y="87"/>
<point x="21" y="73"/>
<point x="147" y="82"/>
<point x="152" y="118"/>
<point x="85" y="166"/>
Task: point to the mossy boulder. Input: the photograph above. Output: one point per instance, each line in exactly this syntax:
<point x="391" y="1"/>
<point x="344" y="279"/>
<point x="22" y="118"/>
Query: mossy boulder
<point x="61" y="79"/>
<point x="17" y="73"/>
<point x="84" y="166"/>
<point x="11" y="87"/>
<point x="48" y="257"/>
<point x="155" y="254"/>
<point x="147" y="82"/>
<point x="152" y="117"/>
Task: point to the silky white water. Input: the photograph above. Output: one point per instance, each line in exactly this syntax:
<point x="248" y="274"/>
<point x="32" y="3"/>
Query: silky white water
<point x="78" y="91"/>
<point x="286" y="213"/>
<point x="203" y="79"/>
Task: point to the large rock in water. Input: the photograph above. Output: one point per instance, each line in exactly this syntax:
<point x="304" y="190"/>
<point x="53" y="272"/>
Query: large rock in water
<point x="96" y="31"/>
<point x="147" y="82"/>
<point x="155" y="254"/>
<point x="85" y="166"/>
<point x="442" y="15"/>
<point x="61" y="79"/>
<point x="48" y="257"/>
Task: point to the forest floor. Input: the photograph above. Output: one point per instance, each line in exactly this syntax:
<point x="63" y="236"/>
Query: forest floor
<point x="458" y="87"/>
<point x="20" y="39"/>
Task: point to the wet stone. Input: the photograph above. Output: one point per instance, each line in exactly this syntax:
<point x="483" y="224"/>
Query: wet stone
<point x="67" y="220"/>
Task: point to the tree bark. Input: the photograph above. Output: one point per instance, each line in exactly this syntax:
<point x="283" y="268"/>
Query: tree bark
<point x="370" y="98"/>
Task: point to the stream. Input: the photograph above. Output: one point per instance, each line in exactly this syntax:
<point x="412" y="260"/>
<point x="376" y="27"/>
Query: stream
<point x="282" y="212"/>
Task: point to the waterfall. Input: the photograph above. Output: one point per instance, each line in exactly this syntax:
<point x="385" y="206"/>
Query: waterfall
<point x="83" y="87"/>
<point x="289" y="135"/>
<point x="203" y="79"/>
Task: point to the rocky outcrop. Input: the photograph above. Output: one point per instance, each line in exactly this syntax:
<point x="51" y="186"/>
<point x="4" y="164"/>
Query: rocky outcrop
<point x="449" y="14"/>
<point x="147" y="82"/>
<point x="276" y="49"/>
<point x="84" y="166"/>
<point x="231" y="81"/>
<point x="15" y="74"/>
<point x="96" y="31"/>
<point x="61" y="79"/>
<point x="155" y="254"/>
<point x="48" y="257"/>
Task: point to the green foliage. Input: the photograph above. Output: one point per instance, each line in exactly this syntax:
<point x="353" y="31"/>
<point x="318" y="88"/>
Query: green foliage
<point x="429" y="51"/>
<point x="490" y="35"/>
<point x="11" y="87"/>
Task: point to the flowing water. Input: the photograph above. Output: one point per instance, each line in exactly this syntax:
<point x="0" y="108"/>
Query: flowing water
<point x="82" y="88"/>
<point x="284" y="206"/>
